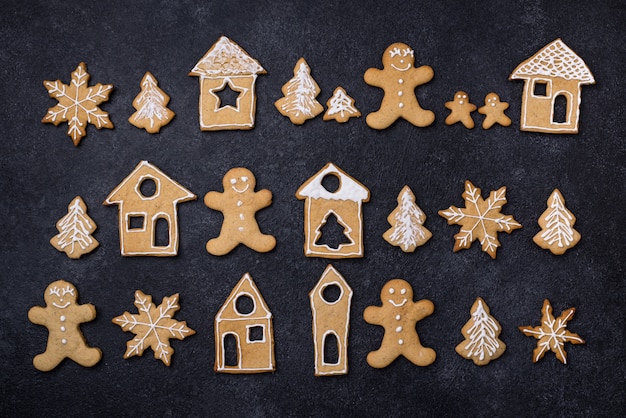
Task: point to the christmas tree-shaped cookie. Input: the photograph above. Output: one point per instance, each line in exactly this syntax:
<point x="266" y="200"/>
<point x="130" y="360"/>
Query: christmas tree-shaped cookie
<point x="557" y="226"/>
<point x="341" y="107"/>
<point x="299" y="103"/>
<point x="481" y="344"/>
<point x="407" y="223"/>
<point x="151" y="102"/>
<point x="75" y="229"/>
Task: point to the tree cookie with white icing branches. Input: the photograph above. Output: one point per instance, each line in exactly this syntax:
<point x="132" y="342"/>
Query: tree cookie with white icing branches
<point x="481" y="332"/>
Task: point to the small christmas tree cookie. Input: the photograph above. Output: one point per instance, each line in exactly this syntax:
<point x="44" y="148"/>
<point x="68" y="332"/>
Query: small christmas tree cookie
<point x="407" y="223"/>
<point x="151" y="102"/>
<point x="341" y="107"/>
<point x="557" y="226"/>
<point x="481" y="344"/>
<point x="75" y="229"/>
<point x="299" y="103"/>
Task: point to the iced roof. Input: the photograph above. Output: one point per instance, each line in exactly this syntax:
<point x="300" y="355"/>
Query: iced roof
<point x="226" y="58"/>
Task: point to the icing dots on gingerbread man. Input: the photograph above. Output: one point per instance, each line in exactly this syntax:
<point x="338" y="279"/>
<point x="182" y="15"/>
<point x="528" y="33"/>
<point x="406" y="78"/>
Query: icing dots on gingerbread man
<point x="63" y="316"/>
<point x="494" y="111"/>
<point x="398" y="315"/>
<point x="460" y="110"/>
<point x="398" y="79"/>
<point x="239" y="204"/>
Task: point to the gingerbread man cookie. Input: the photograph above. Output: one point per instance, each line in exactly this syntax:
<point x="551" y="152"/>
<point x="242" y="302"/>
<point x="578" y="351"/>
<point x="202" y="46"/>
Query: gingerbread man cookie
<point x="460" y="110"/>
<point x="398" y="315"/>
<point x="494" y="111"/>
<point x="239" y="203"/>
<point x="398" y="79"/>
<point x="62" y="316"/>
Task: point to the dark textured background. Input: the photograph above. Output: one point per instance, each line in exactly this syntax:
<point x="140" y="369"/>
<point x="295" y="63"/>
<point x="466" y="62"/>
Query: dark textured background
<point x="473" y="48"/>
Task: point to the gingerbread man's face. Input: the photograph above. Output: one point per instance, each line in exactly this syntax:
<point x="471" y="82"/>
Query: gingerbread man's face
<point x="492" y="100"/>
<point x="240" y="180"/>
<point x="396" y="292"/>
<point x="60" y="294"/>
<point x="399" y="56"/>
<point x="461" y="97"/>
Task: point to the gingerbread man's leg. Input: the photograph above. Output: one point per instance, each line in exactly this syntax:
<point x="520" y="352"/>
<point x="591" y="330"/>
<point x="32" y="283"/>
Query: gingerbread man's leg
<point x="259" y="242"/>
<point x="381" y="119"/>
<point x="48" y="360"/>
<point x="221" y="245"/>
<point x="86" y="356"/>
<point x="386" y="354"/>
<point x="421" y="118"/>
<point x="418" y="355"/>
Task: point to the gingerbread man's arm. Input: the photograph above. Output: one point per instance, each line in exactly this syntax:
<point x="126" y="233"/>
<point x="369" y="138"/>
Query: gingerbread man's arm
<point x="372" y="77"/>
<point x="422" y="309"/>
<point x="38" y="315"/>
<point x="214" y="200"/>
<point x="262" y="199"/>
<point x="374" y="315"/>
<point x="421" y="75"/>
<point x="85" y="313"/>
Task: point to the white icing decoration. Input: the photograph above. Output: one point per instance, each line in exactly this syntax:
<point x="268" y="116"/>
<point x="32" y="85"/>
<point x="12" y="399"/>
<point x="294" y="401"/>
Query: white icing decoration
<point x="341" y="103"/>
<point x="64" y="341"/>
<point x="225" y="57"/>
<point x="62" y="329"/>
<point x="349" y="189"/>
<point x="558" y="223"/>
<point x="397" y="305"/>
<point x="151" y="102"/>
<point x="62" y="318"/>
<point x="400" y="342"/>
<point x="61" y="306"/>
<point x="483" y="334"/>
<point x="301" y="93"/>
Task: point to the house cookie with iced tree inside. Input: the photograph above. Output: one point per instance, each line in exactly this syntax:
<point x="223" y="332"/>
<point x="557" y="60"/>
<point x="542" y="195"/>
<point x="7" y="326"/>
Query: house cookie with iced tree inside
<point x="227" y="87"/>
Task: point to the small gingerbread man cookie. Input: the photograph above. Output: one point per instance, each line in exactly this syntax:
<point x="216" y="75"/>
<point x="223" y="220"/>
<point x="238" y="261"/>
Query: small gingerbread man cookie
<point x="398" y="315"/>
<point x="239" y="203"/>
<point x="494" y="111"/>
<point x="460" y="110"/>
<point x="398" y="79"/>
<point x="62" y="316"/>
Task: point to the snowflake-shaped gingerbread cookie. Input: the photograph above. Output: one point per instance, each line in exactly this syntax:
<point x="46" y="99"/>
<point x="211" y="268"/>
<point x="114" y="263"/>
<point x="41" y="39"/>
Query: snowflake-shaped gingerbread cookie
<point x="552" y="334"/>
<point x="480" y="219"/>
<point x="153" y="327"/>
<point x="78" y="104"/>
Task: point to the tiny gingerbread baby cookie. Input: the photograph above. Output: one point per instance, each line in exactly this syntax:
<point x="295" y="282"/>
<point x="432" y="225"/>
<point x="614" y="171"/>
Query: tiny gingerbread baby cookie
<point x="494" y="111"/>
<point x="552" y="334"/>
<point x="557" y="226"/>
<point x="460" y="110"/>
<point x="481" y="332"/>
<point x="399" y="315"/>
<point x="63" y="316"/>
<point x="398" y="79"/>
<point x="78" y="104"/>
<point x="239" y="204"/>
<point x="341" y="107"/>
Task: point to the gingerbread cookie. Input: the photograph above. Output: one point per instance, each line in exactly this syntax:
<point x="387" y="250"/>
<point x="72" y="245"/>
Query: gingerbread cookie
<point x="494" y="111"/>
<point x="460" y="110"/>
<point x="150" y="103"/>
<point x="299" y="103"/>
<point x="557" y="226"/>
<point x="552" y="334"/>
<point x="399" y="315"/>
<point x="407" y="223"/>
<point x="481" y="332"/>
<point x="398" y="79"/>
<point x="341" y="107"/>
<point x="480" y="219"/>
<point x="75" y="229"/>
<point x="62" y="315"/>
<point x="78" y="104"/>
<point x="153" y="327"/>
<point x="239" y="204"/>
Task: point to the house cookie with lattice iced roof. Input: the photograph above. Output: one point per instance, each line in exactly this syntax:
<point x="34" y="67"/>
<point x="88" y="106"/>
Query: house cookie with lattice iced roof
<point x="227" y="87"/>
<point x="552" y="89"/>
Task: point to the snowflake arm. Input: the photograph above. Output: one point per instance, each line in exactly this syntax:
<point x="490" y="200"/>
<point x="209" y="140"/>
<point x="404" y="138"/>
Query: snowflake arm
<point x="153" y="326"/>
<point x="78" y="104"/>
<point x="552" y="334"/>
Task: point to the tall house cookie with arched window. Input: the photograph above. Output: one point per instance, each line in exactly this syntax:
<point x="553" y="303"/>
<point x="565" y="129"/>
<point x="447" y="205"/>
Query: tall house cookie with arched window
<point x="553" y="79"/>
<point x="244" y="337"/>
<point x="227" y="87"/>
<point x="332" y="208"/>
<point x="148" y="211"/>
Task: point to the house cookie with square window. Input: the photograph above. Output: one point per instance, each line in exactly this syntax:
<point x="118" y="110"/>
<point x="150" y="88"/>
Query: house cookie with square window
<point x="340" y="208"/>
<point x="239" y="204"/>
<point x="553" y="78"/>
<point x="148" y="204"/>
<point x="330" y="304"/>
<point x="227" y="87"/>
<point x="244" y="337"/>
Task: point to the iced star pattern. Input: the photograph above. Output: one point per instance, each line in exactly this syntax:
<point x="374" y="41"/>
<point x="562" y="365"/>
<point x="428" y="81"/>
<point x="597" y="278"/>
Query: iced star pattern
<point x="78" y="104"/>
<point x="153" y="327"/>
<point x="480" y="219"/>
